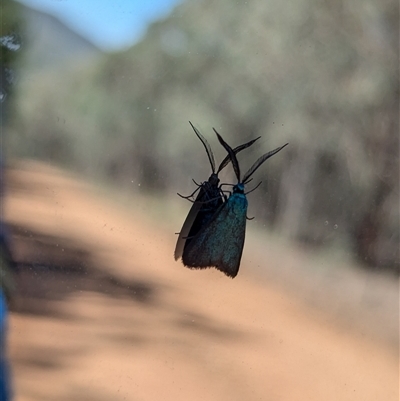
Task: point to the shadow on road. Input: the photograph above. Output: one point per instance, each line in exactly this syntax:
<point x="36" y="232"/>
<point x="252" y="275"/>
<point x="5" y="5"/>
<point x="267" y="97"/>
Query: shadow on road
<point x="52" y="268"/>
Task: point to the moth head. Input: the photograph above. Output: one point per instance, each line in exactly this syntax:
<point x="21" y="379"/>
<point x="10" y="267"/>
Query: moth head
<point x="213" y="180"/>
<point x="238" y="188"/>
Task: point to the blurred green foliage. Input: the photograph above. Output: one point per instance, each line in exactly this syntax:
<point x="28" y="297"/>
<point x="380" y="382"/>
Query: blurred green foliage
<point x="9" y="28"/>
<point x="322" y="76"/>
<point x="10" y="43"/>
<point x="10" y="39"/>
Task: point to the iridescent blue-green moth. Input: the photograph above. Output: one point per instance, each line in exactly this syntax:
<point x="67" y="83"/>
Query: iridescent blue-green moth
<point x="220" y="243"/>
<point x="208" y="200"/>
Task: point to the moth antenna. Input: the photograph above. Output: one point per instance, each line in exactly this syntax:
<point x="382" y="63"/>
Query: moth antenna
<point x="206" y="145"/>
<point x="260" y="161"/>
<point x="238" y="149"/>
<point x="231" y="155"/>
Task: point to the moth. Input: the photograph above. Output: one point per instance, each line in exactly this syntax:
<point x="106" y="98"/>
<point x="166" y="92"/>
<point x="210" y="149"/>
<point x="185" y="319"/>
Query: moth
<point x="208" y="200"/>
<point x="219" y="243"/>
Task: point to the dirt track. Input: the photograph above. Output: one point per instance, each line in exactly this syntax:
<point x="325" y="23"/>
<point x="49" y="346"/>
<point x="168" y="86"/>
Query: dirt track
<point x="104" y="312"/>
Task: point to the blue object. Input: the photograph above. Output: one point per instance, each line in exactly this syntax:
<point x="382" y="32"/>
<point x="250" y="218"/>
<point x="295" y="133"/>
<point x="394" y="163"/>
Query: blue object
<point x="208" y="200"/>
<point x="220" y="243"/>
<point x="5" y="390"/>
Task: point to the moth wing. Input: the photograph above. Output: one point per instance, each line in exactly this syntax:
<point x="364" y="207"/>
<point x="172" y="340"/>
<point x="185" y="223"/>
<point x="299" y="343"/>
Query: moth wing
<point x="207" y="202"/>
<point x="210" y="204"/>
<point x="187" y="225"/>
<point x="220" y="243"/>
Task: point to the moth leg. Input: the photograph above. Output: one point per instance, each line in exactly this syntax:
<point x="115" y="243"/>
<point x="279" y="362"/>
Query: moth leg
<point x="199" y="185"/>
<point x="226" y="185"/>
<point x="251" y="190"/>
<point x="209" y="200"/>
<point x="189" y="196"/>
<point x="192" y="236"/>
<point x="249" y="218"/>
<point x="223" y="192"/>
<point x="186" y="197"/>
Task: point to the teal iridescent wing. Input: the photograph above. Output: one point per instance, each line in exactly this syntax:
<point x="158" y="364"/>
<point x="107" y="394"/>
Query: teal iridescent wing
<point x="220" y="243"/>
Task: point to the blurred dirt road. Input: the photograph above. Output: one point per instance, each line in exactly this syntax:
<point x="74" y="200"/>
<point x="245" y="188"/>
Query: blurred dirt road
<point x="105" y="313"/>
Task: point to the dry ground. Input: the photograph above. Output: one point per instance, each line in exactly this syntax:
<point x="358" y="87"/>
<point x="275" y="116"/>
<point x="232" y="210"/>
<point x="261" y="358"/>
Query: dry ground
<point x="105" y="313"/>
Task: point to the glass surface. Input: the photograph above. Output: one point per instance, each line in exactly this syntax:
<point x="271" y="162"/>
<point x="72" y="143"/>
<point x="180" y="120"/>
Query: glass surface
<point x="96" y="99"/>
